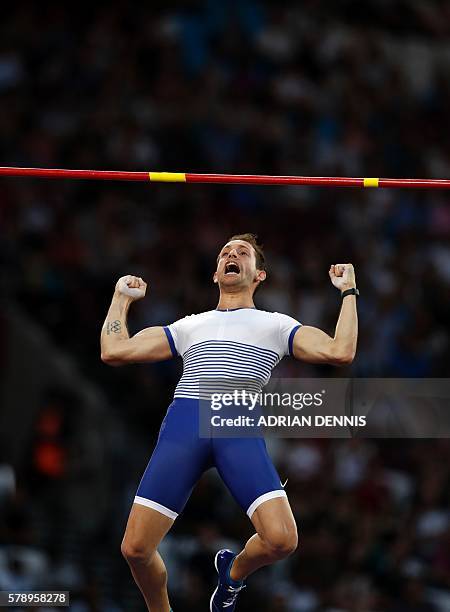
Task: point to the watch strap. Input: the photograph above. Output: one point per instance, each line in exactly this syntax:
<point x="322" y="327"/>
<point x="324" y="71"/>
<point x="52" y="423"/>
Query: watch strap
<point x="352" y="291"/>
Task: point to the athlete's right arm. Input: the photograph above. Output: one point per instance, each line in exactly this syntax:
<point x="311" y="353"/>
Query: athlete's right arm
<point x="117" y="348"/>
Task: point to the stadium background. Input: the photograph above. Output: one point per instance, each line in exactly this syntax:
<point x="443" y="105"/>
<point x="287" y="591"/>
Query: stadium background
<point x="318" y="88"/>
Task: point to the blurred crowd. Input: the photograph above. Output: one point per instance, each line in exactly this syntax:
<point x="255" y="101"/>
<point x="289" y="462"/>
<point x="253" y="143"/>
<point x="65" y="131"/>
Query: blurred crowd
<point x="309" y="88"/>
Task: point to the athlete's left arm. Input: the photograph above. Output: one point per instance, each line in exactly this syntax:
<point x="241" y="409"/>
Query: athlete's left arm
<point x="314" y="345"/>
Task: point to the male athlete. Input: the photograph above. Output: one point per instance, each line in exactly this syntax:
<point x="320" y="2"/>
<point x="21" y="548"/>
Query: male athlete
<point x="233" y="340"/>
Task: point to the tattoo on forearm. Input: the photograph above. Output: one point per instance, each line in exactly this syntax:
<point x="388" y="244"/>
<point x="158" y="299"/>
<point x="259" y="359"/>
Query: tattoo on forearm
<point x="113" y="327"/>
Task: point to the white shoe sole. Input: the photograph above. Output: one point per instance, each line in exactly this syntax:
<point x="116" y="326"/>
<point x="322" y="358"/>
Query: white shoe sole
<point x="213" y="595"/>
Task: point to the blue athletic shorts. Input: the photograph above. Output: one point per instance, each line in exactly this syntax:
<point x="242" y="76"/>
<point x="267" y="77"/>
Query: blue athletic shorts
<point x="180" y="457"/>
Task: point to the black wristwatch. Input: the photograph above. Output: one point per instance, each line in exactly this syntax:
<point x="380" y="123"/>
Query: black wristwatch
<point x="352" y="291"/>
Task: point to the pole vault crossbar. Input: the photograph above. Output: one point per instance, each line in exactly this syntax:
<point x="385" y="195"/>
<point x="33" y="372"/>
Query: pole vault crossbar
<point x="243" y="179"/>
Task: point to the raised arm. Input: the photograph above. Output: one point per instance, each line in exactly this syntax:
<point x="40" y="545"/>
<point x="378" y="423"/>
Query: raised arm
<point x="117" y="348"/>
<point x="315" y="346"/>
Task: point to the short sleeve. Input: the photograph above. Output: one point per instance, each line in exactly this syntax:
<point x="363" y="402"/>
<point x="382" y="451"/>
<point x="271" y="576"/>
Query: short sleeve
<point x="175" y="336"/>
<point x="288" y="327"/>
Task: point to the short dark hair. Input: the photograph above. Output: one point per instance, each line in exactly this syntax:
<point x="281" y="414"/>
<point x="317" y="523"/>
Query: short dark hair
<point x="253" y="240"/>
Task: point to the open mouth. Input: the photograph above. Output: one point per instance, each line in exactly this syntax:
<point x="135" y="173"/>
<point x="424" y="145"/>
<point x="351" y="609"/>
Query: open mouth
<point x="232" y="268"/>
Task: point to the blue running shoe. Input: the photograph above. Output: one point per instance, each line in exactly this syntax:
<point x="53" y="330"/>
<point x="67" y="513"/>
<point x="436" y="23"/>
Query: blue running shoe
<point x="227" y="591"/>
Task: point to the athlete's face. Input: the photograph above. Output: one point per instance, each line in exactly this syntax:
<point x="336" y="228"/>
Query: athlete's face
<point x="236" y="265"/>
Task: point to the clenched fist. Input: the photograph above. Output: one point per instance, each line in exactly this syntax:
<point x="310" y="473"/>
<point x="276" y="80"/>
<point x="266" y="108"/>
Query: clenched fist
<point x="132" y="286"/>
<point x="342" y="276"/>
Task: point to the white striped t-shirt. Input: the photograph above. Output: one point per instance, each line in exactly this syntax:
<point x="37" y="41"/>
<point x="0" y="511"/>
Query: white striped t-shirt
<point x="241" y="343"/>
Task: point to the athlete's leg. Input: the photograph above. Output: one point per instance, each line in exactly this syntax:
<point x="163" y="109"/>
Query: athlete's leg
<point x="176" y="464"/>
<point x="246" y="468"/>
<point x="145" y="529"/>
<point x="275" y="538"/>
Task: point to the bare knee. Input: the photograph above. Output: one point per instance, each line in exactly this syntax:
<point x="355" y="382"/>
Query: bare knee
<point x="281" y="541"/>
<point x="136" y="552"/>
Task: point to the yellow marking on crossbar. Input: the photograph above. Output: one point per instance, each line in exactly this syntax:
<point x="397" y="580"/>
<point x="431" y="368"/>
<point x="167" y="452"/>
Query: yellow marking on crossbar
<point x="167" y="177"/>
<point x="371" y="182"/>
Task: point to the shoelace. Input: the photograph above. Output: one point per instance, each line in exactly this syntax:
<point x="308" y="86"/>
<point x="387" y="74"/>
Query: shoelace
<point x="235" y="592"/>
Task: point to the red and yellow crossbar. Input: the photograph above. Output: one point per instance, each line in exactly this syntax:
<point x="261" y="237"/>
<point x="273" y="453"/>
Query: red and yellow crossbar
<point x="245" y="179"/>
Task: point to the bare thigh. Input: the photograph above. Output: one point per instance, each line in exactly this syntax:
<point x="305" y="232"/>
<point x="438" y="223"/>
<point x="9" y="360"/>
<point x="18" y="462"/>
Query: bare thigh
<point x="273" y="520"/>
<point x="145" y="529"/>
